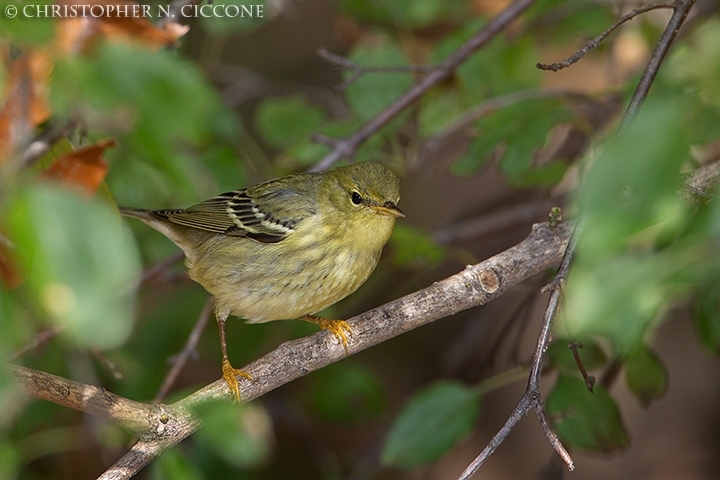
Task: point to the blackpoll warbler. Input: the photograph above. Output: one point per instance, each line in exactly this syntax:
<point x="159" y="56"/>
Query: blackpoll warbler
<point x="286" y="248"/>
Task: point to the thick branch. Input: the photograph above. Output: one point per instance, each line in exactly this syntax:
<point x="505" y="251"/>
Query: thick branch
<point x="347" y="147"/>
<point x="162" y="426"/>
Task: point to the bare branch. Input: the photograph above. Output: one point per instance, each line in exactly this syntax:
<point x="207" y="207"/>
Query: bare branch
<point x="162" y="426"/>
<point x="346" y="147"/>
<point x="597" y="40"/>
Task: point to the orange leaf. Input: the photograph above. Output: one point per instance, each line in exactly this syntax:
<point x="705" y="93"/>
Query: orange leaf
<point x="84" y="169"/>
<point x="87" y="20"/>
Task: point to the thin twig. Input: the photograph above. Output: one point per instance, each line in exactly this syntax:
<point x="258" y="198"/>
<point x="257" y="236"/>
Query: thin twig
<point x="41" y="338"/>
<point x="359" y="70"/>
<point x="491" y="223"/>
<point x="162" y="426"/>
<point x="589" y="379"/>
<point x="159" y="267"/>
<point x="344" y="148"/>
<point x="188" y="350"/>
<point x="682" y="8"/>
<point x="597" y="40"/>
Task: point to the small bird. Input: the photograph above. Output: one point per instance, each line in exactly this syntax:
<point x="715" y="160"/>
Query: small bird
<point x="286" y="248"/>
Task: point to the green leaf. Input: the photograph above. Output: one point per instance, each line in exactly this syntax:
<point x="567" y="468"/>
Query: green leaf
<point x="240" y="434"/>
<point x="430" y="424"/>
<point x="706" y="315"/>
<point x="375" y="91"/>
<point x="646" y="375"/>
<point x="513" y="64"/>
<point x="561" y="356"/>
<point x="513" y="134"/>
<point x="585" y="420"/>
<point x="285" y="121"/>
<point x="411" y="246"/>
<point x="346" y="393"/>
<point x="79" y="262"/>
<point x="697" y="64"/>
<point x="622" y="281"/>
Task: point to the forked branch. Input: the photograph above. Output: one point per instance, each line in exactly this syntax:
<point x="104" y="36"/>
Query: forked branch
<point x="160" y="427"/>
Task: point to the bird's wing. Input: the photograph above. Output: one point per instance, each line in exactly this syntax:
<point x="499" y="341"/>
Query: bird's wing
<point x="267" y="216"/>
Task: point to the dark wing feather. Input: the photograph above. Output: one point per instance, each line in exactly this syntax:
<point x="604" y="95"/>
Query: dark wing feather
<point x="239" y="214"/>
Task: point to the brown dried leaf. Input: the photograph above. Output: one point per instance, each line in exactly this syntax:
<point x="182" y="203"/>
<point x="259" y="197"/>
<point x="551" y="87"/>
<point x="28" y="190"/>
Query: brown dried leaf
<point x="84" y="169"/>
<point x="116" y="19"/>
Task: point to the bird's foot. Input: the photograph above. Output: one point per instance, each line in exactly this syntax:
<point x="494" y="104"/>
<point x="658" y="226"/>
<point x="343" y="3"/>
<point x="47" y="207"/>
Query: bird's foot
<point x="340" y="328"/>
<point x="230" y="375"/>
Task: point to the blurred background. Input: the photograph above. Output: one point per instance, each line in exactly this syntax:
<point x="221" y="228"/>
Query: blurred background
<point x="481" y="157"/>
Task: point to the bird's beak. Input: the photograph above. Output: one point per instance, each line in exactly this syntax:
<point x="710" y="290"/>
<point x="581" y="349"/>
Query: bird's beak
<point x="389" y="209"/>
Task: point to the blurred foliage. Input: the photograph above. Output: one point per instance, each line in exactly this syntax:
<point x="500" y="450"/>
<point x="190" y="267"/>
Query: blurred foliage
<point x="346" y="394"/>
<point x="644" y="249"/>
<point x="432" y="422"/>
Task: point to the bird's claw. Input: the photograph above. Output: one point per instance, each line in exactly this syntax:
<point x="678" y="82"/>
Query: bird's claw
<point x="230" y="375"/>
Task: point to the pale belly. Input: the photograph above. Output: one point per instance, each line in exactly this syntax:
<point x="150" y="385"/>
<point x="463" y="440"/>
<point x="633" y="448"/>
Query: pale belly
<point x="274" y="284"/>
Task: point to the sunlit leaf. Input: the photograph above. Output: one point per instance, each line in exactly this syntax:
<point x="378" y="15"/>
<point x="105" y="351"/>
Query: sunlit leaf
<point x="78" y="262"/>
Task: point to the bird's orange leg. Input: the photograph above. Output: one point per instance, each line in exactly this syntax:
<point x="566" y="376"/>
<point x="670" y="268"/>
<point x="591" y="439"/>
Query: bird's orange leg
<point x="339" y="328"/>
<point x="229" y="373"/>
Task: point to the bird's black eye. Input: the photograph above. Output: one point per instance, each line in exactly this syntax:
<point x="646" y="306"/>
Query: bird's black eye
<point x="356" y="198"/>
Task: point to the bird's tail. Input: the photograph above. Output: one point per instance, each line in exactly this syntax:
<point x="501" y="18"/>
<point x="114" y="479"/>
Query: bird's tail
<point x="140" y="213"/>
